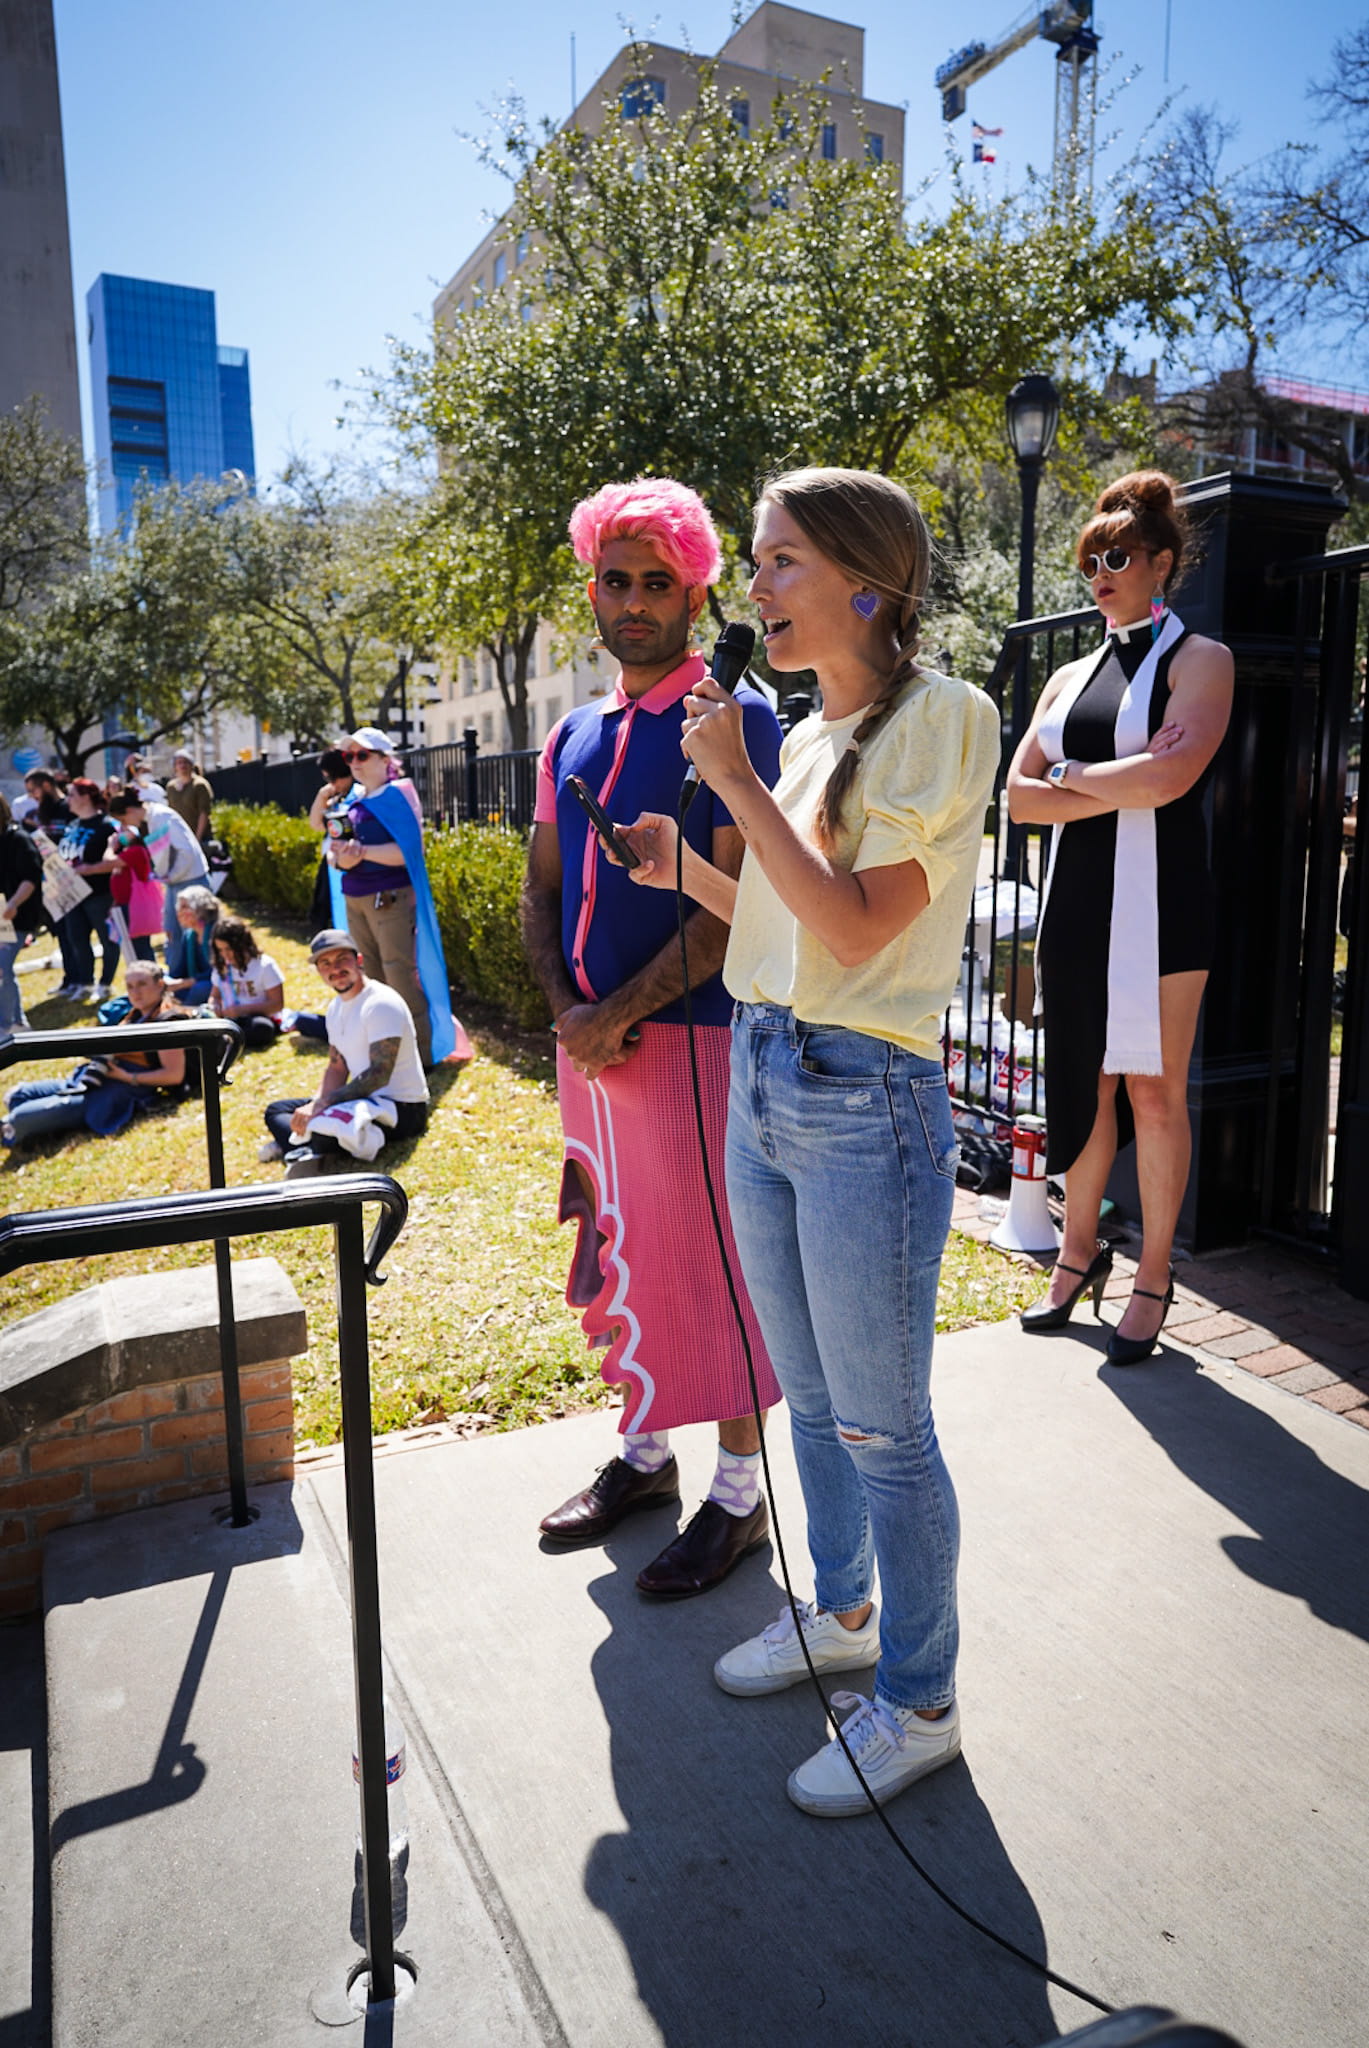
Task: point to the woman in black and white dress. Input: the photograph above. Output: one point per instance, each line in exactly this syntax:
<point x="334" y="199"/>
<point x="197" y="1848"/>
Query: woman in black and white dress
<point x="1115" y="758"/>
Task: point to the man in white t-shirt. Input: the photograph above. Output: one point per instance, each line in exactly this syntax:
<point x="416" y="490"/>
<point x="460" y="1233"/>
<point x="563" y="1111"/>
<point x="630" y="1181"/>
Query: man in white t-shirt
<point x="373" y="1085"/>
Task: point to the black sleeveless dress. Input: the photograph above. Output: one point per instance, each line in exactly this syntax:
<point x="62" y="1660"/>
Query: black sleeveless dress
<point x="1075" y="934"/>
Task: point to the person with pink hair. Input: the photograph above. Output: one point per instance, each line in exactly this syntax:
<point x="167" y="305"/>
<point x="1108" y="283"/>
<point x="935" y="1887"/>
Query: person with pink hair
<point x="645" y="1271"/>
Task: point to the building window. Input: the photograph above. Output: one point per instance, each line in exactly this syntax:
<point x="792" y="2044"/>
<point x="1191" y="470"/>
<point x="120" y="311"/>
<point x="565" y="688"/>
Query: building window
<point x="467" y="676"/>
<point x="779" y="199"/>
<point x="486" y="672"/>
<point x="532" y="661"/>
<point x="553" y="711"/>
<point x="874" y="148"/>
<point x="740" y="111"/>
<point x="501" y="269"/>
<point x="829" y="141"/>
<point x="477" y="291"/>
<point x="487" y="730"/>
<point x="641" y="96"/>
<point x="532" y="724"/>
<point x="526" y="309"/>
<point x="451" y="732"/>
<point x="520" y="248"/>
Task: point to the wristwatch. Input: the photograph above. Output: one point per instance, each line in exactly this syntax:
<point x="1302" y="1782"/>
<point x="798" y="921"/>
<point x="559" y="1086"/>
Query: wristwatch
<point x="1057" y="772"/>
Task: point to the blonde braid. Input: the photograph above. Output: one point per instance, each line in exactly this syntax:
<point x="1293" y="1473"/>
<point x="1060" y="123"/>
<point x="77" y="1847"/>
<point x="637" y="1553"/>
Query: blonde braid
<point x="832" y="802"/>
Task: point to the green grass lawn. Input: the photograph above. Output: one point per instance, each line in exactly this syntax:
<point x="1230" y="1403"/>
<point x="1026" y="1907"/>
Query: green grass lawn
<point x="472" y="1324"/>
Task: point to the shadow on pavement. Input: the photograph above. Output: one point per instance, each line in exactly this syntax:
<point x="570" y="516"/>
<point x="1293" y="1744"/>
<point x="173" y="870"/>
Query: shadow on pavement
<point x="1311" y="1524"/>
<point x="749" y="1921"/>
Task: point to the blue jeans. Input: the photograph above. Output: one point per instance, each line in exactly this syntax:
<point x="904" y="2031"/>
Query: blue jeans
<point x="88" y="921"/>
<point x="37" y="1108"/>
<point x="11" y="1009"/>
<point x="841" y="1161"/>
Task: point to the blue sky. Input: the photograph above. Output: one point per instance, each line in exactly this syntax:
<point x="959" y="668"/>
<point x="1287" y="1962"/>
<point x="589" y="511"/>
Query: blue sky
<point x="305" y="158"/>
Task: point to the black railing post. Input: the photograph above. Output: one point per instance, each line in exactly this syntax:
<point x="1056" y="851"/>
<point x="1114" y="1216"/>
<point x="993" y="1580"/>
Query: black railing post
<point x="359" y="1475"/>
<point x="470" y="747"/>
<point x="240" y="1512"/>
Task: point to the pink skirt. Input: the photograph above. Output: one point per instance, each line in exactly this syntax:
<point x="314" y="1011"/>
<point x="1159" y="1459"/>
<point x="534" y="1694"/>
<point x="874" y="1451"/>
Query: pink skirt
<point x="646" y="1269"/>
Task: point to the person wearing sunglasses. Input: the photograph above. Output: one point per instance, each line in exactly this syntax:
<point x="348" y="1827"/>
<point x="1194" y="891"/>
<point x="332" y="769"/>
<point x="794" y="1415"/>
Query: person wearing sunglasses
<point x="1115" y="760"/>
<point x="381" y="891"/>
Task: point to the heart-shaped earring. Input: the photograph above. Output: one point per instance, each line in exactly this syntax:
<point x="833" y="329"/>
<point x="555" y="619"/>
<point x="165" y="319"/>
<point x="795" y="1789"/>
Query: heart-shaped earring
<point x="866" y="602"/>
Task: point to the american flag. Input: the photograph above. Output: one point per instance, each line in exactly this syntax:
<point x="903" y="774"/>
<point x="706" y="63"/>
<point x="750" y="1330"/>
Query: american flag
<point x="984" y="151"/>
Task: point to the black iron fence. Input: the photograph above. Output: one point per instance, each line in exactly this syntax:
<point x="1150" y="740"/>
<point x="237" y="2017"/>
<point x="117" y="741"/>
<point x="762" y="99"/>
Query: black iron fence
<point x="992" y="1038"/>
<point x="456" y="783"/>
<point x="1315" y="1185"/>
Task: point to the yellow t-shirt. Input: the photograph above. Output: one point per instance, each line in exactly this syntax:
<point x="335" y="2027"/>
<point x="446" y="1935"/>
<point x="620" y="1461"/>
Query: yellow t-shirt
<point x="921" y="790"/>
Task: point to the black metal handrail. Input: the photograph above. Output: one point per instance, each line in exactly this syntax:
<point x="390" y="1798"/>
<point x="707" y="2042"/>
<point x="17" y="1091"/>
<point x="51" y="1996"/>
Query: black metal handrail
<point x="199" y="1036"/>
<point x="139" y="1224"/>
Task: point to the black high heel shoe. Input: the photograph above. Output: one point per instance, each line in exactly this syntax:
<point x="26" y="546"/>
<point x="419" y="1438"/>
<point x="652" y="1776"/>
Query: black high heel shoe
<point x="1131" y="1350"/>
<point x="1044" y="1317"/>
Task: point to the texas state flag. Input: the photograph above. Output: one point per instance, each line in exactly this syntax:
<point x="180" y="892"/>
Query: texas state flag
<point x="984" y="151"/>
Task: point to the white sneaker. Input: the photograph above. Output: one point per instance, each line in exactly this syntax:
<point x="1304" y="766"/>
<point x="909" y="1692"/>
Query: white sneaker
<point x="774" y="1659"/>
<point x="891" y="1745"/>
<point x="99" y="992"/>
<point x="70" y="990"/>
<point x="269" y="1150"/>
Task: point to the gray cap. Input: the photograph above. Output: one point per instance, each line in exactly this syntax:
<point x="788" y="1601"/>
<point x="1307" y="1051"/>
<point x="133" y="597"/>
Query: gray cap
<point x="332" y="941"/>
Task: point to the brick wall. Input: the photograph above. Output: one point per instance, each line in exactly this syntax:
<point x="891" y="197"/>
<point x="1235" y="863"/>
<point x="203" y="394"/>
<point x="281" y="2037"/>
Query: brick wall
<point x="137" y="1450"/>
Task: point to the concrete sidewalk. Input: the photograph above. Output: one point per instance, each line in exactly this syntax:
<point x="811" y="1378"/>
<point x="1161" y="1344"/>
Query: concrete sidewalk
<point x="1165" y="1786"/>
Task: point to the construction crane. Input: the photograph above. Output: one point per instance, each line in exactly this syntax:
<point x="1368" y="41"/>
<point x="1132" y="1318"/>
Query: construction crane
<point x="1069" y="25"/>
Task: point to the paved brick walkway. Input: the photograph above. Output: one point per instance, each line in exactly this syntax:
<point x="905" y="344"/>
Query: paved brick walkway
<point x="1259" y="1308"/>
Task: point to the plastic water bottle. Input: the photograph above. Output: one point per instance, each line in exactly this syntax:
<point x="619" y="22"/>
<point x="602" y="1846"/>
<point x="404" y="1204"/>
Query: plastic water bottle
<point x="396" y="1759"/>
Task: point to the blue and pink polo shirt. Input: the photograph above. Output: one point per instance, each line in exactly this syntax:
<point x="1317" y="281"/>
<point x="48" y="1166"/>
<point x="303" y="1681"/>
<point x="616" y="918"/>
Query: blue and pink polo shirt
<point x="628" y="751"/>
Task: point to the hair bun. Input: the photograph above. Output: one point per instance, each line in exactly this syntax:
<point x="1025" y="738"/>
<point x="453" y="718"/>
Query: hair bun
<point x="1148" y="487"/>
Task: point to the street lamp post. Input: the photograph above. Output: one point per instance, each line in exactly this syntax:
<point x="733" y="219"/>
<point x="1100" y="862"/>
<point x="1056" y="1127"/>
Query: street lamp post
<point x="1033" y="414"/>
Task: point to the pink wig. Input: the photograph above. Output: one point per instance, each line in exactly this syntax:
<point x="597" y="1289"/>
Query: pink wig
<point x="668" y="516"/>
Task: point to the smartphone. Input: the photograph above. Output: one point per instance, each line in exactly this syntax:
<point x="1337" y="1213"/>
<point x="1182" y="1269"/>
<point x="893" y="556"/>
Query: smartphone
<point x="602" y="823"/>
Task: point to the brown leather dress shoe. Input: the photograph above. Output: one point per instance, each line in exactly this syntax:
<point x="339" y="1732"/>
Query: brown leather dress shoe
<point x="618" y="1489"/>
<point x="705" y="1551"/>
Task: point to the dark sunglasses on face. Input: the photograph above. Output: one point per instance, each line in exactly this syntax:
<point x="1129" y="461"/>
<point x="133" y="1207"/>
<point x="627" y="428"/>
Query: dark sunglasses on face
<point x="356" y="754"/>
<point x="1114" y="560"/>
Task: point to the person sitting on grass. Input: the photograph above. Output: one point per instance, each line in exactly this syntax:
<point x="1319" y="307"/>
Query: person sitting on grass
<point x="373" y="1083"/>
<point x="103" y="1094"/>
<point x="197" y="912"/>
<point x="247" y="986"/>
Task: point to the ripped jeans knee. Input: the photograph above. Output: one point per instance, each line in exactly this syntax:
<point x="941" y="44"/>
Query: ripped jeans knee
<point x="857" y="1438"/>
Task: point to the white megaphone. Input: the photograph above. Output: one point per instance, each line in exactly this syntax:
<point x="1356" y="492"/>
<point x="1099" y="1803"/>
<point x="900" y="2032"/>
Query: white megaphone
<point x="1026" y="1224"/>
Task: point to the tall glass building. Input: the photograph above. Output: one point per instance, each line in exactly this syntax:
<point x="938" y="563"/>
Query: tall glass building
<point x="168" y="400"/>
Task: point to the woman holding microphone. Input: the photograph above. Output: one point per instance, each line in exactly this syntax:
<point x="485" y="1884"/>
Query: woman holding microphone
<point x="847" y="925"/>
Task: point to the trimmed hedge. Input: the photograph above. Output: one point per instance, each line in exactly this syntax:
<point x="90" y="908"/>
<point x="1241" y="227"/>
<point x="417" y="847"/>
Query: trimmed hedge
<point x="476" y="872"/>
<point x="275" y="855"/>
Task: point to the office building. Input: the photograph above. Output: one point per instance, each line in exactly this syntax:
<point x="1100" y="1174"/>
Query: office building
<point x="167" y="400"/>
<point x="775" y="47"/>
<point x="37" y="315"/>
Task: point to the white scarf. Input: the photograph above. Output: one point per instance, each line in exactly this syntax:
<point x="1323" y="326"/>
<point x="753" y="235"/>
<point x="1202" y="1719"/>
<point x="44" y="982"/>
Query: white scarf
<point x="1133" y="1035"/>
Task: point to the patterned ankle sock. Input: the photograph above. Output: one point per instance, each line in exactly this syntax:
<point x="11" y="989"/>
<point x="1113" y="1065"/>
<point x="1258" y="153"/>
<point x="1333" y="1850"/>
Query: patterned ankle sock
<point x="737" y="1481"/>
<point x="647" y="1452"/>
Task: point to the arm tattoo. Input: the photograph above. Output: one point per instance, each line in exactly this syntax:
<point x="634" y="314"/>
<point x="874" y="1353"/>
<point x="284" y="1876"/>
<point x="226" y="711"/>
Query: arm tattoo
<point x="374" y="1075"/>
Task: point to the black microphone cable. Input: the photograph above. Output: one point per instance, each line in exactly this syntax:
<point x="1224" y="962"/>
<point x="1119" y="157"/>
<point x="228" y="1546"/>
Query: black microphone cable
<point x="1033" y="1963"/>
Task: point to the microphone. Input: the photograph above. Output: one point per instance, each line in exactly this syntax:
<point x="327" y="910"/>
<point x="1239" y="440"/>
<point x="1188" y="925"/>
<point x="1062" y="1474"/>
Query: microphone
<point x="732" y="651"/>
